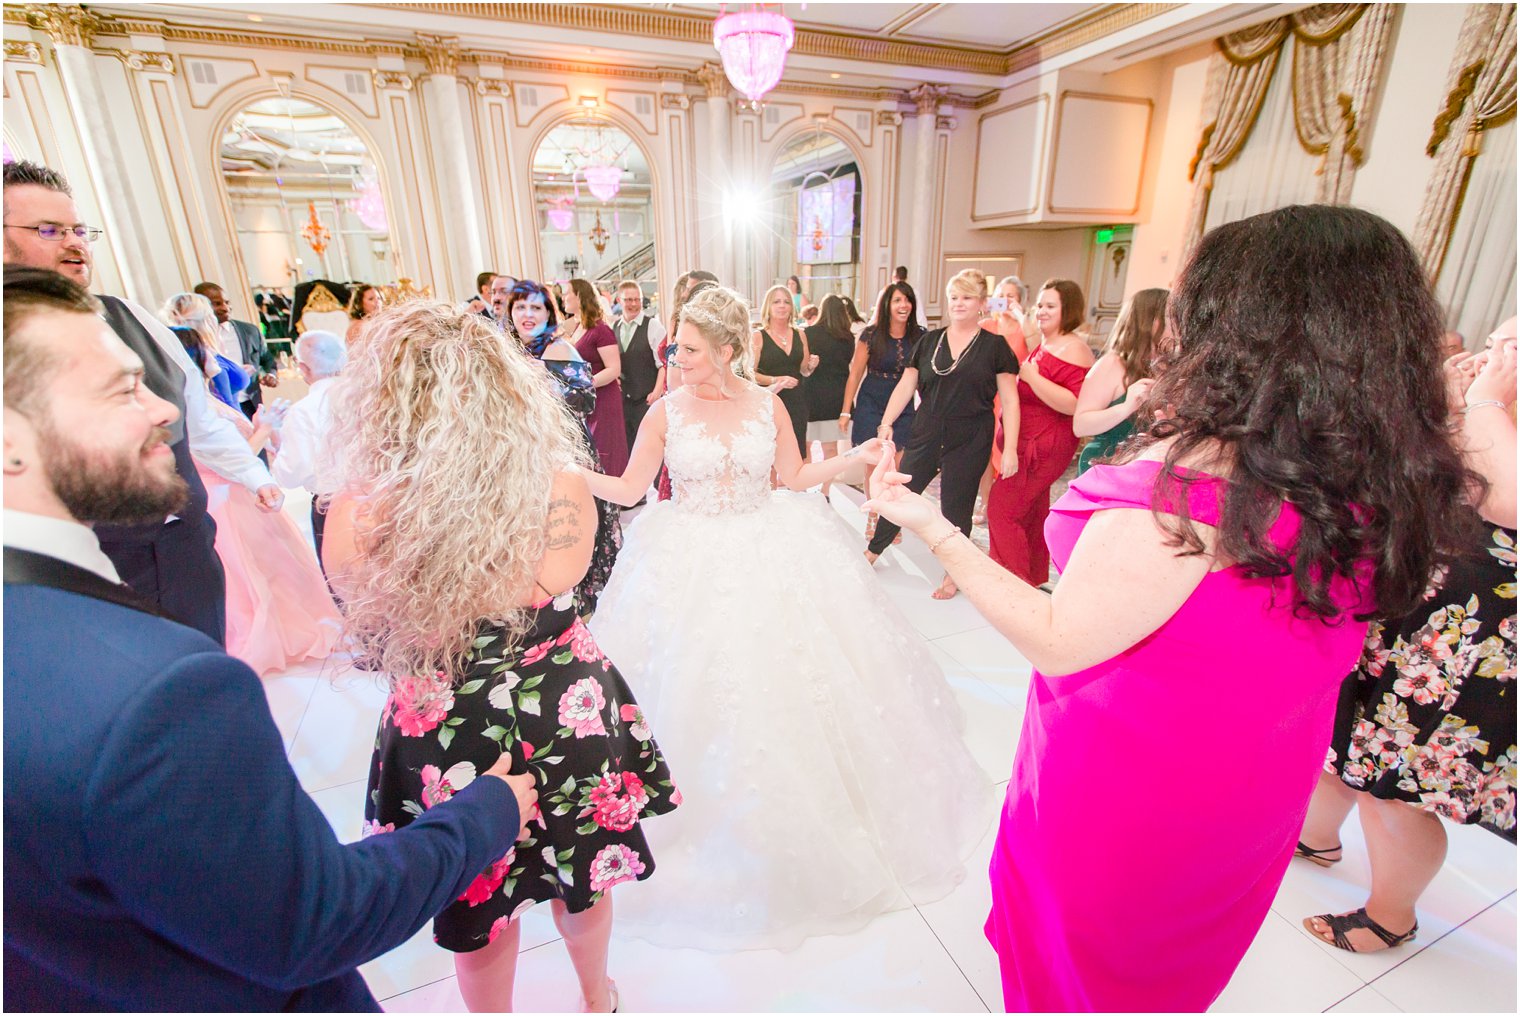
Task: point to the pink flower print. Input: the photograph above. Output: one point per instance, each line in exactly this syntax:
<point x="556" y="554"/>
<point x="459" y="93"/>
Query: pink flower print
<point x="1424" y="685"/>
<point x="675" y="797"/>
<point x="634" y="717"/>
<point x="438" y="787"/>
<point x="1362" y="735"/>
<point x="536" y="653"/>
<point x="1387" y="744"/>
<point x="488" y="881"/>
<point x="580" y="708"/>
<point x="615" y="863"/>
<point x="527" y="749"/>
<point x="617" y="800"/>
<point x="1431" y="769"/>
<point x="578" y="637"/>
<point x="421" y="704"/>
<point x="497" y="927"/>
<point x="373" y="828"/>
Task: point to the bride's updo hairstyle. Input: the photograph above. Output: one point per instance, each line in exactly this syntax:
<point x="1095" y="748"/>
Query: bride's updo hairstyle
<point x="722" y="316"/>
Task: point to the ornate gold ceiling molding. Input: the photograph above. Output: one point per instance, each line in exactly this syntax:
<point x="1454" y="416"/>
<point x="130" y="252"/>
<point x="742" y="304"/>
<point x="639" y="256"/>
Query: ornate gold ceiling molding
<point x="617" y="19"/>
<point x="65" y="24"/>
<point x="23" y="52"/>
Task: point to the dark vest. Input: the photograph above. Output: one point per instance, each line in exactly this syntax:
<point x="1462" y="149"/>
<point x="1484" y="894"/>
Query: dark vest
<point x="165" y="379"/>
<point x="639" y="369"/>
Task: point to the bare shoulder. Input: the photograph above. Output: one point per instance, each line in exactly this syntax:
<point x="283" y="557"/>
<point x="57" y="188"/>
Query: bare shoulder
<point x="1107" y="366"/>
<point x="572" y="512"/>
<point x="1074" y="350"/>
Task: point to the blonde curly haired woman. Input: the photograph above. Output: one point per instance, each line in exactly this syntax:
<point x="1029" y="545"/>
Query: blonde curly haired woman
<point x="460" y="531"/>
<point x="787" y="684"/>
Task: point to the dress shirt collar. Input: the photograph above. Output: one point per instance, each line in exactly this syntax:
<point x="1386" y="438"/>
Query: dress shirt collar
<point x="70" y="542"/>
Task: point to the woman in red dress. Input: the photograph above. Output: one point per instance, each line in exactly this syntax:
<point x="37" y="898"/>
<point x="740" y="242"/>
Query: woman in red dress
<point x="1049" y="382"/>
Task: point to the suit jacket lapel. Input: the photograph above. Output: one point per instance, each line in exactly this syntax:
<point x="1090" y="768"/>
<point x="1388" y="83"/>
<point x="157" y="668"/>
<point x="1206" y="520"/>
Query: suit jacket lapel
<point x="25" y="568"/>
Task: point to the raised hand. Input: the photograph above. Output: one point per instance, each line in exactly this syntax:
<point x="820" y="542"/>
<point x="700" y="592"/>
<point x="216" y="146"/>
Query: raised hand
<point x="271" y="498"/>
<point x="1459" y="372"/>
<point x="1496" y="377"/>
<point x="873" y="451"/>
<point x="893" y="500"/>
<point x="1137" y="392"/>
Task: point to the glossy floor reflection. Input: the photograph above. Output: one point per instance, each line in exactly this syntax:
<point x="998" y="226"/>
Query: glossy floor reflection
<point x="934" y="957"/>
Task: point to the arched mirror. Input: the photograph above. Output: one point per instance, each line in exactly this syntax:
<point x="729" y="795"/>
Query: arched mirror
<point x="816" y="197"/>
<point x="308" y="208"/>
<point x="594" y="198"/>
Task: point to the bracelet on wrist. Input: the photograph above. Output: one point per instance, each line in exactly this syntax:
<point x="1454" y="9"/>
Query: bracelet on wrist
<point x="952" y="534"/>
<point x="1485" y="402"/>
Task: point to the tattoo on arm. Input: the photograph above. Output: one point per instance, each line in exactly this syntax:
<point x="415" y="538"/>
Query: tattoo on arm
<point x="564" y="527"/>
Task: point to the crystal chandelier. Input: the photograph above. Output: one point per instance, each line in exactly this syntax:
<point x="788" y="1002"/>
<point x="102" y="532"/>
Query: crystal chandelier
<point x="599" y="234"/>
<point x="562" y="212"/>
<point x="753" y="45"/>
<point x="604" y="180"/>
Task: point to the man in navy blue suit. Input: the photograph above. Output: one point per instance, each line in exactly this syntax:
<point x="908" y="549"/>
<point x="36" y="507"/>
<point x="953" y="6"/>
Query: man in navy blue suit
<point x="159" y="851"/>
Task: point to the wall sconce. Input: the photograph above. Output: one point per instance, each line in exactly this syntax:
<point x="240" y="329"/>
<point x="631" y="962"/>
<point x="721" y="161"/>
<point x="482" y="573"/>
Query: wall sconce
<point x="589" y="101"/>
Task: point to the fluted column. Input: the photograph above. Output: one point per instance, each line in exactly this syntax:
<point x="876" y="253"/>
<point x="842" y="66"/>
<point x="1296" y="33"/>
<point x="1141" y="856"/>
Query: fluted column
<point x="927" y="98"/>
<point x="72" y="29"/>
<point x="717" y="176"/>
<point x="464" y="253"/>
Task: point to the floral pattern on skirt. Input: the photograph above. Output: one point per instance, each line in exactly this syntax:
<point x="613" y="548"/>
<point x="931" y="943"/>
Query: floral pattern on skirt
<point x="563" y="711"/>
<point x="1428" y="717"/>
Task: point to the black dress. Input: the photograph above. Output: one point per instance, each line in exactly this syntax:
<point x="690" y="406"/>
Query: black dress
<point x="825" y="386"/>
<point x="1428" y="716"/>
<point x="952" y="431"/>
<point x="562" y="710"/>
<point x="575" y="385"/>
<point x="883" y="370"/>
<point x="777" y="364"/>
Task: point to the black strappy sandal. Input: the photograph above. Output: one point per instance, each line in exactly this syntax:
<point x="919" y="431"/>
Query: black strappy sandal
<point x="1340" y="924"/>
<point x="1317" y="856"/>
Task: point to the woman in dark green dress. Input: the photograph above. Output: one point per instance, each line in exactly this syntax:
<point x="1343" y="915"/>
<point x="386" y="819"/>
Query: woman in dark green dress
<point x="1120" y="380"/>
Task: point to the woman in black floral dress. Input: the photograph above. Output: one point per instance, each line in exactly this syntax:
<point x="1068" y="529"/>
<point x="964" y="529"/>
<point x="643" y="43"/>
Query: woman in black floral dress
<point x="461" y="532"/>
<point x="1425" y="727"/>
<point x="532" y="317"/>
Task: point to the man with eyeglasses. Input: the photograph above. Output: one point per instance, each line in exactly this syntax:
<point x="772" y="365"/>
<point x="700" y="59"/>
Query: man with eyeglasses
<point x="172" y="563"/>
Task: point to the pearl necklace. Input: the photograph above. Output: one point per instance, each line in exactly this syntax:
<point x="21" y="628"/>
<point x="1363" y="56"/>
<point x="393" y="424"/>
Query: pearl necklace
<point x="955" y="361"/>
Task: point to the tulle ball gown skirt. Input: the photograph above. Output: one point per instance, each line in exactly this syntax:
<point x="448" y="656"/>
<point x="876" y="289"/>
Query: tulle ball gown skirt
<point x="819" y="746"/>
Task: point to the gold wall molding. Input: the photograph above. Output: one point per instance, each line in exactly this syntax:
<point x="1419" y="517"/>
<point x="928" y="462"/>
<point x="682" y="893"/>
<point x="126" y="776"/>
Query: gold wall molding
<point x="888" y="118"/>
<point x="394" y="79"/>
<point x="675" y="100"/>
<point x="65" y="24"/>
<point x="23" y="52"/>
<point x="493" y="86"/>
<point x="945" y="123"/>
<point x="926" y="98"/>
<point x="138" y="60"/>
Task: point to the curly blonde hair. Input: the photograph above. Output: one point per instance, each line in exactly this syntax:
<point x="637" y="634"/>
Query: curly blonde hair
<point x="722" y="316"/>
<point x="451" y="435"/>
<point x="193" y="311"/>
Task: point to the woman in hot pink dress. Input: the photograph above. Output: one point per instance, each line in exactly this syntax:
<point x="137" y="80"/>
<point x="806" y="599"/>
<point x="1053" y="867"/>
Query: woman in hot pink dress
<point x="1214" y="592"/>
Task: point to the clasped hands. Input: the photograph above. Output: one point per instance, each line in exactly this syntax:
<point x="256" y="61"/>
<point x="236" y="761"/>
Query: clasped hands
<point x="893" y="500"/>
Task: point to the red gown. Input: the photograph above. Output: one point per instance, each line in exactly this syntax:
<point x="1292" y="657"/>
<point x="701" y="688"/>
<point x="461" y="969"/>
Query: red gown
<point x="1017" y="505"/>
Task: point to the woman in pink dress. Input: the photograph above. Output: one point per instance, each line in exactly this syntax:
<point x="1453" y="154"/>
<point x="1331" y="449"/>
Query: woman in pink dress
<point x="1299" y="480"/>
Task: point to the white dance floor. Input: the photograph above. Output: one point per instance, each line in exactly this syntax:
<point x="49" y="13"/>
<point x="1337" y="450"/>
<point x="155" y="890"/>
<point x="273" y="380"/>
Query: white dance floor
<point x="934" y="957"/>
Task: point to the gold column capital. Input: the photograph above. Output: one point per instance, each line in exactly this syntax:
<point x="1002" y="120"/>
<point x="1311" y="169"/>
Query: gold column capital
<point x="927" y="98"/>
<point x="65" y="24"/>
<point x="441" y="52"/>
<point x="23" y="52"/>
<point x="714" y="79"/>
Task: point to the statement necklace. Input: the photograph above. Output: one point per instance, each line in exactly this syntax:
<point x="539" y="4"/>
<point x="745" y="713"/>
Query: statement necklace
<point x="955" y="361"/>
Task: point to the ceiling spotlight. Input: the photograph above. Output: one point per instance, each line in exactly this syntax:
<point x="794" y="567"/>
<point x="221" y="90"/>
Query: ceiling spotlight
<point x="589" y="101"/>
<point x="834" y="75"/>
<point x="255" y="17"/>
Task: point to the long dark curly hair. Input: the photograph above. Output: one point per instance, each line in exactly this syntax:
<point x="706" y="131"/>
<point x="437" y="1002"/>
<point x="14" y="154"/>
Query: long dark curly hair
<point x="1308" y="355"/>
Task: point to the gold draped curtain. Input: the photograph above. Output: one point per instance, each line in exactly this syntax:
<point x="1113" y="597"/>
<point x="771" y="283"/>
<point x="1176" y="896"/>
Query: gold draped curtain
<point x="1480" y="94"/>
<point x="1335" y="77"/>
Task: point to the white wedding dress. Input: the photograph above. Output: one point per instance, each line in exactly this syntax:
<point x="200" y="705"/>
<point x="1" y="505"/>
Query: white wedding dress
<point x="814" y="739"/>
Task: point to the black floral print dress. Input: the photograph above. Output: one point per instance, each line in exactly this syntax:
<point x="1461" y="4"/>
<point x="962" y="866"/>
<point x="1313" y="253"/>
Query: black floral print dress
<point x="1428" y="716"/>
<point x="563" y="711"/>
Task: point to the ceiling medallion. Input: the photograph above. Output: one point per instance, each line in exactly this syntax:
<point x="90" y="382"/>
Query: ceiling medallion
<point x="753" y="45"/>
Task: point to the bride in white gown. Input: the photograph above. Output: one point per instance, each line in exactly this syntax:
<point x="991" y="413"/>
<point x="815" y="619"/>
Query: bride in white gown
<point x="812" y="735"/>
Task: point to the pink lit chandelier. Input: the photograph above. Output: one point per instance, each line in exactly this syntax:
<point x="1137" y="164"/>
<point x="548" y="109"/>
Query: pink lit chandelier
<point x="753" y="45"/>
<point x="604" y="180"/>
<point x="562" y="212"/>
<point x="369" y="206"/>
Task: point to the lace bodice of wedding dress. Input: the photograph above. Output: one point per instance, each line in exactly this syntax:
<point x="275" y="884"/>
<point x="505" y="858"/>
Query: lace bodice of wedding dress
<point x="720" y="452"/>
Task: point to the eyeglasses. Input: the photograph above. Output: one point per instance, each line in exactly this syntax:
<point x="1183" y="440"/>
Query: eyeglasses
<point x="56" y="231"/>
